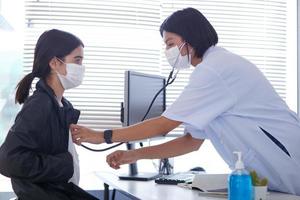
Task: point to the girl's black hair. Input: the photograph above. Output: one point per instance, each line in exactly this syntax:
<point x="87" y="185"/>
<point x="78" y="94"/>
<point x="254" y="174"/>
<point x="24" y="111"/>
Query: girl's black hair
<point x="193" y="27"/>
<point x="52" y="43"/>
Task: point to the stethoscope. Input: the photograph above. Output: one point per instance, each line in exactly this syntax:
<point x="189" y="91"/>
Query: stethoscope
<point x="171" y="78"/>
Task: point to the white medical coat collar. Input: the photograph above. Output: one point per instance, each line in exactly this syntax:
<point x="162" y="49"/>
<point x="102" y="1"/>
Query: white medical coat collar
<point x="210" y="50"/>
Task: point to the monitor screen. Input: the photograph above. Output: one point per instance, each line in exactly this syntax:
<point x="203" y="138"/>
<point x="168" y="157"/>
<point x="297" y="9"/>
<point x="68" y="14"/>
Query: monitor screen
<point x="140" y="90"/>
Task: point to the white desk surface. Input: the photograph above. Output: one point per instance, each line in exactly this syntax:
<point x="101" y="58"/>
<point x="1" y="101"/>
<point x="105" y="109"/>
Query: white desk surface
<point x="149" y="190"/>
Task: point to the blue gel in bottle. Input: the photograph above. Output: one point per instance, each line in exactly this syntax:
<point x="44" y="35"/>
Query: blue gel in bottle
<point x="240" y="183"/>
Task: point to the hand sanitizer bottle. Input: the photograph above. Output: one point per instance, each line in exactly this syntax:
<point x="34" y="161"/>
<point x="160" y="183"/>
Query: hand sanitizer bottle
<point x="240" y="184"/>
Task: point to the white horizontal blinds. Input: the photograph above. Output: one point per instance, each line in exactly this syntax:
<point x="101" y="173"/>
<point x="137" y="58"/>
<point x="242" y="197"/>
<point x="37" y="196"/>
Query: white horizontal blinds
<point x="118" y="36"/>
<point x="255" y="29"/>
<point x="118" y="13"/>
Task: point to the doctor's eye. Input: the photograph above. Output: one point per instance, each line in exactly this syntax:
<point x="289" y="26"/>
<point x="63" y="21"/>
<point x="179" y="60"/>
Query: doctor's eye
<point x="169" y="45"/>
<point x="78" y="61"/>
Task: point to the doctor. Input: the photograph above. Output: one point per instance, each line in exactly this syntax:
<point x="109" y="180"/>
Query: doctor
<point x="227" y="100"/>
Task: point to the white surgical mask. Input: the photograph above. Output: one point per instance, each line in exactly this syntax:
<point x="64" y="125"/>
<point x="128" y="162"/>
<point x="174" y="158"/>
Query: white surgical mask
<point x="74" y="76"/>
<point x="175" y="58"/>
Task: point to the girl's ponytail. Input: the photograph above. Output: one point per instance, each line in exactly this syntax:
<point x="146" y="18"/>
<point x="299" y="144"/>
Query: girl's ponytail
<point x="23" y="88"/>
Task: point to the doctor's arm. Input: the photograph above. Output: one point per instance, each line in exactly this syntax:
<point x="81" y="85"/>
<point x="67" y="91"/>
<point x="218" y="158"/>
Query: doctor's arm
<point x="176" y="147"/>
<point x="146" y="129"/>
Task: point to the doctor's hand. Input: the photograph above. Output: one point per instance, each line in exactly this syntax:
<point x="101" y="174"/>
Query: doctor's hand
<point x="120" y="157"/>
<point x="83" y="134"/>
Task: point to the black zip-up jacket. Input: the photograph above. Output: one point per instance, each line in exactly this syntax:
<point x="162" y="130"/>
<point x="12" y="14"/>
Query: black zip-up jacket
<point x="35" y="152"/>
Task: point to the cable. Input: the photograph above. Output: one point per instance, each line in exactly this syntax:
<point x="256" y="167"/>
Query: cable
<point x="156" y="95"/>
<point x="169" y="81"/>
<point x="105" y="149"/>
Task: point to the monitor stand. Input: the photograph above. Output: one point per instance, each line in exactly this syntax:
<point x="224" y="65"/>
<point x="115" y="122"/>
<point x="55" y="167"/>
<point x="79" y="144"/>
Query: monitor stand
<point x="133" y="172"/>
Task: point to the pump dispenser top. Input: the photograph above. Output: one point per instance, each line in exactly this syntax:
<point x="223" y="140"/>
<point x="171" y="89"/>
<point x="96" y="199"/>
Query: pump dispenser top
<point x="239" y="163"/>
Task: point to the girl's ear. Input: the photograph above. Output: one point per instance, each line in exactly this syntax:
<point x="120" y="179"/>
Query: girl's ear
<point x="53" y="64"/>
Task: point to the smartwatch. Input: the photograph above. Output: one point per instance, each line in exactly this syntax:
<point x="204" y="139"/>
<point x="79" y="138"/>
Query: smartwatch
<point x="108" y="136"/>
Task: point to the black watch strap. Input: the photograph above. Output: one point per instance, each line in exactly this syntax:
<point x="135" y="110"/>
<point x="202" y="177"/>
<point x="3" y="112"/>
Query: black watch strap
<point x="108" y="136"/>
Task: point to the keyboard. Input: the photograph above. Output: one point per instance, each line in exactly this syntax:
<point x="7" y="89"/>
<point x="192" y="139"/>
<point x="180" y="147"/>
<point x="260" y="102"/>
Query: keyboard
<point x="174" y="179"/>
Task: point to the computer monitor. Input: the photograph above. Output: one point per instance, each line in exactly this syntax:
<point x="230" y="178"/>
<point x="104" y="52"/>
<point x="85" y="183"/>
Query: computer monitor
<point x="140" y="89"/>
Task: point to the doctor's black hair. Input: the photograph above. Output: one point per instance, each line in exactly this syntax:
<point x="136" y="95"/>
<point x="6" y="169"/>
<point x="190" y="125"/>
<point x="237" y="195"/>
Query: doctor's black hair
<point x="52" y="43"/>
<point x="193" y="27"/>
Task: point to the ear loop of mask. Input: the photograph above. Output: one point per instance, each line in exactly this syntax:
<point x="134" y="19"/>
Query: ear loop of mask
<point x="187" y="49"/>
<point x="189" y="54"/>
<point x="60" y="60"/>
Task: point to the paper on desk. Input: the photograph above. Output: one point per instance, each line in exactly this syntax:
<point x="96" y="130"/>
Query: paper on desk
<point x="213" y="185"/>
<point x="216" y="183"/>
<point x="222" y="195"/>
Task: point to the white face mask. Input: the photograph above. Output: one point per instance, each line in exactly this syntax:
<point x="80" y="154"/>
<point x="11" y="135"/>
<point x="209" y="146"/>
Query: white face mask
<point x="74" y="76"/>
<point x="175" y="58"/>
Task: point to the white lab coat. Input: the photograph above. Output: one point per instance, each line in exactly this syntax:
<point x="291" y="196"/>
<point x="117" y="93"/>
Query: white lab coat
<point x="228" y="100"/>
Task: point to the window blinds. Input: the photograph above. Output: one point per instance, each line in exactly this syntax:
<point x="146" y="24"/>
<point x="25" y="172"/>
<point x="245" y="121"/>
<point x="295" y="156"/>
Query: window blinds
<point x="122" y="35"/>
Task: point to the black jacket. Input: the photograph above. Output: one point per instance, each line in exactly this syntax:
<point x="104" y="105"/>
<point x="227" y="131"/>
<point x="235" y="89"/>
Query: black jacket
<point x="35" y="152"/>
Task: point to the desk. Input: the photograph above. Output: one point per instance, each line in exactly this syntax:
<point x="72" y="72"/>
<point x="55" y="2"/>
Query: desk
<point x="149" y="190"/>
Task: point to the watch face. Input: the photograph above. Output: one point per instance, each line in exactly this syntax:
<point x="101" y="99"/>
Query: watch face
<point x="108" y="136"/>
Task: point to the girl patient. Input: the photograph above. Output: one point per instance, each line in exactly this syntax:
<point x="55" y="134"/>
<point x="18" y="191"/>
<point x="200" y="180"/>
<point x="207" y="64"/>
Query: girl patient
<point x="38" y="153"/>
